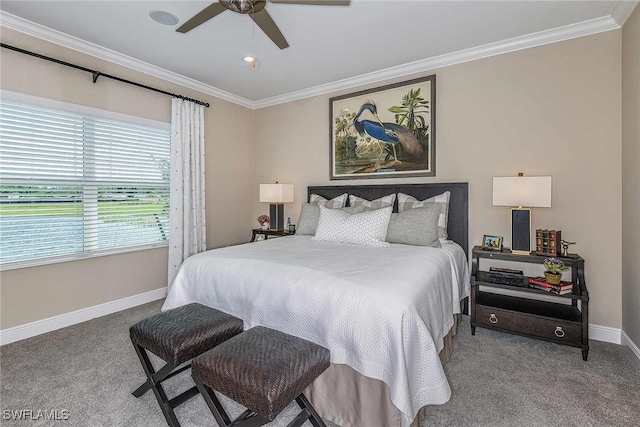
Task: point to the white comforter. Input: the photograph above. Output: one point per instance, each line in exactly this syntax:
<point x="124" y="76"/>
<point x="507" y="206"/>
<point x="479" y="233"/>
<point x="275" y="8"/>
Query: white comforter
<point x="382" y="311"/>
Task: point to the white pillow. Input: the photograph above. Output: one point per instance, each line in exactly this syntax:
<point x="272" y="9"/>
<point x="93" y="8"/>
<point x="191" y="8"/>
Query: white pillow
<point x="382" y="202"/>
<point x="337" y="202"/>
<point x="310" y="215"/>
<point x="409" y="202"/>
<point x="366" y="228"/>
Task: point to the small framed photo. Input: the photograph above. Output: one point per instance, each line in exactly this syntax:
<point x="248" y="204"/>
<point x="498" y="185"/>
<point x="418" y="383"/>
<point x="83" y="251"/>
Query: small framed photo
<point x="493" y="243"/>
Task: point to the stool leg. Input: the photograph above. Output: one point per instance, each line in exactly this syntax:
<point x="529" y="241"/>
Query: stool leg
<point x="300" y="419"/>
<point x="214" y="404"/>
<point x="305" y="405"/>
<point x="161" y="396"/>
<point x="162" y="375"/>
<point x="156" y="377"/>
<point x="248" y="418"/>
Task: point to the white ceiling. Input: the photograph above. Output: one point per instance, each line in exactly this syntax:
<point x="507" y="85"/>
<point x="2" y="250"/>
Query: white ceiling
<point x="366" y="41"/>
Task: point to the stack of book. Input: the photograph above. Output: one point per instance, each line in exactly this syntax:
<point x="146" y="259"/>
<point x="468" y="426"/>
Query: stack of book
<point x="543" y="285"/>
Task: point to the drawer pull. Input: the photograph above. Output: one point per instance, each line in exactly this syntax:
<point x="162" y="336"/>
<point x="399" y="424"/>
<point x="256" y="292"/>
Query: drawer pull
<point x="493" y="318"/>
<point x="559" y="332"/>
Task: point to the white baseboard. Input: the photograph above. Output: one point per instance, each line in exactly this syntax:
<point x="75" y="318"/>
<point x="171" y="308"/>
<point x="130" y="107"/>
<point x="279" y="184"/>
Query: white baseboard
<point x="626" y="341"/>
<point x="17" y="333"/>
<point x="605" y="333"/>
<point x="38" y="327"/>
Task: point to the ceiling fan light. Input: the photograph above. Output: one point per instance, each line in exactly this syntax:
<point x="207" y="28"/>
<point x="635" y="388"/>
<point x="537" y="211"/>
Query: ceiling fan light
<point x="162" y="17"/>
<point x="244" y="6"/>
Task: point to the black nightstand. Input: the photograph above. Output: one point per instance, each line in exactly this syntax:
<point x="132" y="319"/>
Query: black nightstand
<point x="267" y="233"/>
<point x="564" y="321"/>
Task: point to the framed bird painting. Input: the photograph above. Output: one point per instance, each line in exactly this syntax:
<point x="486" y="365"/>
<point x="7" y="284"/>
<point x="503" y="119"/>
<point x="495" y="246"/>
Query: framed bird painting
<point x="385" y="132"/>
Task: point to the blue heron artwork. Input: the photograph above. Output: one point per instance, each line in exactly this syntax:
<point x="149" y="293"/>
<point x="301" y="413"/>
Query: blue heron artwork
<point x="388" y="133"/>
<point x="384" y="132"/>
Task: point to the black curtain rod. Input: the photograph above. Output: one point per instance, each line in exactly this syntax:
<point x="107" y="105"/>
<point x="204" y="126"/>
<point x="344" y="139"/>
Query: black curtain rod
<point x="97" y="74"/>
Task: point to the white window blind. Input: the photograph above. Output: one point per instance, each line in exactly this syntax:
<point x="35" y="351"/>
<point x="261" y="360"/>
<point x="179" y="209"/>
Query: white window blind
<point x="75" y="185"/>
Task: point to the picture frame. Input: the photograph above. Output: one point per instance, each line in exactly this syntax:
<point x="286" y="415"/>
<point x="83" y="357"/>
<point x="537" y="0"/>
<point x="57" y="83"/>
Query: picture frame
<point x="384" y="132"/>
<point x="492" y="243"/>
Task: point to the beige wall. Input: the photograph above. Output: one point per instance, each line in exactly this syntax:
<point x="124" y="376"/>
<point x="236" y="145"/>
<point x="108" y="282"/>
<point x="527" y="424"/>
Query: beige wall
<point x="36" y="293"/>
<point x="631" y="177"/>
<point x="552" y="110"/>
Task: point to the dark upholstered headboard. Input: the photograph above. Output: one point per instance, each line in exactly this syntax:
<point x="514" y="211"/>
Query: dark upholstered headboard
<point x="458" y="224"/>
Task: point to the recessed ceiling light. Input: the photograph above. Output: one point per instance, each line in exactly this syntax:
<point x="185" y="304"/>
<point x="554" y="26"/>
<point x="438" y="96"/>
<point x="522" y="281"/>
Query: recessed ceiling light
<point x="250" y="60"/>
<point x="162" y="17"/>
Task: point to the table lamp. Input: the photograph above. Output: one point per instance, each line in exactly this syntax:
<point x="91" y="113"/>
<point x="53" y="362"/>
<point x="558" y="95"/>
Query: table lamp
<point x="525" y="192"/>
<point x="276" y="194"/>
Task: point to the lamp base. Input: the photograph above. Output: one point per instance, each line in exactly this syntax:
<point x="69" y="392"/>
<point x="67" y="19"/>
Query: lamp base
<point x="521" y="231"/>
<point x="276" y="214"/>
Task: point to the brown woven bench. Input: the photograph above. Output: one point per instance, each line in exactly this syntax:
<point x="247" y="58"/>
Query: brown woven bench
<point x="263" y="370"/>
<point x="177" y="336"/>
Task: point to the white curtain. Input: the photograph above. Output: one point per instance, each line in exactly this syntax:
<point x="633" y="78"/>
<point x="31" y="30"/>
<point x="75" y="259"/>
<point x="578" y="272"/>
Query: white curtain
<point x="187" y="222"/>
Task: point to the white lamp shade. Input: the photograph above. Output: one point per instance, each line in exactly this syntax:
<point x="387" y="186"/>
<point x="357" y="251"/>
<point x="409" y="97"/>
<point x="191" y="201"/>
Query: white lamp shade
<point x="276" y="193"/>
<point x="529" y="191"/>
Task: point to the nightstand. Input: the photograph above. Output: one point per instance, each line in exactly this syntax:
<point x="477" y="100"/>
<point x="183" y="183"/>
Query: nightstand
<point x="565" y="320"/>
<point x="269" y="232"/>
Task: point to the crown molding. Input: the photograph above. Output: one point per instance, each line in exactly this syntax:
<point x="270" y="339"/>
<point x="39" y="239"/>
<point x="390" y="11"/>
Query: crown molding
<point x="554" y="35"/>
<point x="623" y="10"/>
<point x="50" y="35"/>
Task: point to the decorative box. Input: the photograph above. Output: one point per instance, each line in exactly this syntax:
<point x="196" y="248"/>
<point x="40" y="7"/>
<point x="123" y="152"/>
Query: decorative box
<point x="506" y="276"/>
<point x="548" y="242"/>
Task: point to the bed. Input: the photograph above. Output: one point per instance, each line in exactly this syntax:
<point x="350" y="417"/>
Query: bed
<point x="387" y="315"/>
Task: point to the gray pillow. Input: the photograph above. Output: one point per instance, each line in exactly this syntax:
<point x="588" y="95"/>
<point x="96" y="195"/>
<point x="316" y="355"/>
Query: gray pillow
<point x="380" y="203"/>
<point x="417" y="226"/>
<point x="406" y="202"/>
<point x="335" y="203"/>
<point x="310" y="214"/>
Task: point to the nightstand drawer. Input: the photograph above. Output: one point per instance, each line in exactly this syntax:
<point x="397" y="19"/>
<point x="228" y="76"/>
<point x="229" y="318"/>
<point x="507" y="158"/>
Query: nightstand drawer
<point x="555" y="330"/>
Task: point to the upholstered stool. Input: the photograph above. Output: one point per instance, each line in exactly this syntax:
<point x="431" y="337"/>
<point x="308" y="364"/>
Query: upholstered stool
<point x="264" y="370"/>
<point x="177" y="336"/>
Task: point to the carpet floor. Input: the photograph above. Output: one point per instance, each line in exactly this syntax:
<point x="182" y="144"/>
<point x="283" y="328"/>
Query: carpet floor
<point x="90" y="369"/>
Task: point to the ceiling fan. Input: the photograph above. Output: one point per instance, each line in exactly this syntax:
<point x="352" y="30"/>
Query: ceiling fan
<point x="255" y="9"/>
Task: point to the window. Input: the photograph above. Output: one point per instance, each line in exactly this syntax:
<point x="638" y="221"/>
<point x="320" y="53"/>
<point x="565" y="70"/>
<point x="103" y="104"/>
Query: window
<point x="74" y="185"/>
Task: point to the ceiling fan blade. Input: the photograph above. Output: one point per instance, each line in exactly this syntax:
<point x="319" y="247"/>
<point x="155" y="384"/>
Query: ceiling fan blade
<point x="201" y="17"/>
<point x="315" y="2"/>
<point x="266" y="23"/>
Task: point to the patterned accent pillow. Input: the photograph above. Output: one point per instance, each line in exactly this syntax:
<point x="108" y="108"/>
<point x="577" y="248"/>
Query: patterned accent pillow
<point x="336" y="202"/>
<point x="418" y="227"/>
<point x="406" y="202"/>
<point x="382" y="202"/>
<point x="310" y="214"/>
<point x="366" y="228"/>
